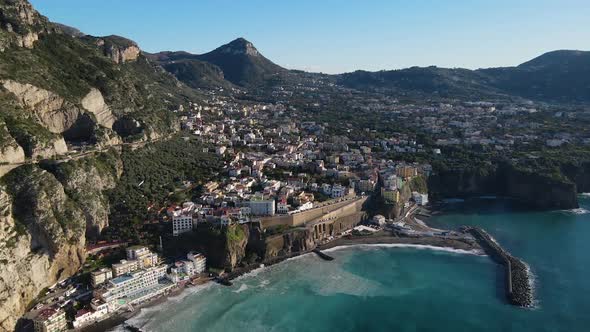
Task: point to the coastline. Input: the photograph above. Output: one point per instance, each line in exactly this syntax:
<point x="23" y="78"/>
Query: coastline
<point x="434" y="243"/>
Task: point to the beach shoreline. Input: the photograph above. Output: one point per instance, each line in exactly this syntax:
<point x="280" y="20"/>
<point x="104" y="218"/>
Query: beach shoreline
<point x="382" y="238"/>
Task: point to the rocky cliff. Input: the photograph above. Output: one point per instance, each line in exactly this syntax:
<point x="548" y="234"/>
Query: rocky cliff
<point x="46" y="214"/>
<point x="536" y="190"/>
<point x="579" y="173"/>
<point x="21" y="24"/>
<point x="42" y="238"/>
<point x="58" y="88"/>
<point x="117" y="48"/>
<point x="285" y="244"/>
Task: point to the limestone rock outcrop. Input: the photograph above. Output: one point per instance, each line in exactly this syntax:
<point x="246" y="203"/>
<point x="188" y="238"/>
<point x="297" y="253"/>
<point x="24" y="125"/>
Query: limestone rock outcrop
<point x="55" y="147"/>
<point x="22" y="23"/>
<point x="86" y="180"/>
<point x="119" y="49"/>
<point x="53" y="111"/>
<point x="10" y="151"/>
<point x="42" y="239"/>
<point x="94" y="103"/>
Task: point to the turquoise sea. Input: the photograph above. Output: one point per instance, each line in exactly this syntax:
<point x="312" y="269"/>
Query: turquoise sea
<point x="376" y="288"/>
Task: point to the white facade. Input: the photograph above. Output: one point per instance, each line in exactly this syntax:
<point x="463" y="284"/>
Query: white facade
<point x="50" y="320"/>
<point x="88" y="317"/>
<point x="262" y="207"/>
<point x="132" y="287"/>
<point x="338" y="191"/>
<point x="181" y="224"/>
<point x="101" y="276"/>
<point x="124" y="266"/>
<point x="420" y="199"/>
<point x="199" y="261"/>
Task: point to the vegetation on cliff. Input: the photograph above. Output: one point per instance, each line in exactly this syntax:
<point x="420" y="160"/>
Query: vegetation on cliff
<point x="153" y="173"/>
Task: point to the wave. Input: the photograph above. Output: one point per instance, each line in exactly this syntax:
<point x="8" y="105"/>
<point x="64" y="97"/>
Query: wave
<point x="533" y="280"/>
<point x="585" y="194"/>
<point x="577" y="211"/>
<point x="243" y="287"/>
<point x="411" y="246"/>
<point x="144" y="315"/>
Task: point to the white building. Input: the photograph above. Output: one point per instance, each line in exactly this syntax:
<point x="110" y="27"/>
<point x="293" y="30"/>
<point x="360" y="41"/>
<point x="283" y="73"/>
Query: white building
<point x="338" y="191"/>
<point x="181" y="223"/>
<point x="85" y="317"/>
<point x="262" y="207"/>
<point x="199" y="261"/>
<point x="420" y="199"/>
<point x="135" y="287"/>
<point x="100" y="277"/>
<point x="50" y="320"/>
<point x="124" y="266"/>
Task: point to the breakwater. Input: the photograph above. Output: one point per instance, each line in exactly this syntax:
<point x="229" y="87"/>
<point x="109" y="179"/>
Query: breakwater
<point x="323" y="255"/>
<point x="518" y="284"/>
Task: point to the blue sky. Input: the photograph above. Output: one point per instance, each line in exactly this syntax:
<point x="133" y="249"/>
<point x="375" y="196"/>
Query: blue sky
<point x="343" y="35"/>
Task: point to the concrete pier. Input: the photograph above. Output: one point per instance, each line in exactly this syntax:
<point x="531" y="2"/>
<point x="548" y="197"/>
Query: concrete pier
<point x="518" y="283"/>
<point x="323" y="255"/>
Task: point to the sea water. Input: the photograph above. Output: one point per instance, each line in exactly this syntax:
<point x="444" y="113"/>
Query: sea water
<point x="388" y="288"/>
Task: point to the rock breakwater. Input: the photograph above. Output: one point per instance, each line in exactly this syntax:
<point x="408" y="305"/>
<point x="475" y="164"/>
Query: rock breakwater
<point x="518" y="278"/>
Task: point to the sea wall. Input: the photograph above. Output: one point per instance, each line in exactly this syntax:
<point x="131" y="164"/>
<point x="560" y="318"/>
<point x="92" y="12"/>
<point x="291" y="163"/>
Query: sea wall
<point x="337" y="206"/>
<point x="518" y="284"/>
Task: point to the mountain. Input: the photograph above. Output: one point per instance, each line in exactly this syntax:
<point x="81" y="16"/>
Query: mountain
<point x="559" y="76"/>
<point x="57" y="90"/>
<point x="70" y="30"/>
<point x="238" y="62"/>
<point x="191" y="71"/>
<point x="422" y="81"/>
<point x="242" y="64"/>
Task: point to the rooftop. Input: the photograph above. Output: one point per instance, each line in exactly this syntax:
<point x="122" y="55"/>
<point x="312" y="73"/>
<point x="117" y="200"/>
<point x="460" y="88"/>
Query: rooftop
<point x="121" y="279"/>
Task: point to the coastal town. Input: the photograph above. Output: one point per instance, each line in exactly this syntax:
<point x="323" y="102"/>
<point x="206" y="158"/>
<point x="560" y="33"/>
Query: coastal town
<point x="279" y="175"/>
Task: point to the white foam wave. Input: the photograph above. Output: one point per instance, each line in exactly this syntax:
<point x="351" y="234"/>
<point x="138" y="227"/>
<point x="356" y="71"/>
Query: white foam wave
<point x="533" y="284"/>
<point x="243" y="287"/>
<point x="578" y="211"/>
<point x="412" y="246"/>
<point x="145" y="314"/>
<point x="585" y="194"/>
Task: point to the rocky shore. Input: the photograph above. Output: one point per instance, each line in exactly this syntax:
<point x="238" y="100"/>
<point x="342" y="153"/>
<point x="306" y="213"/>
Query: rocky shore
<point x="518" y="280"/>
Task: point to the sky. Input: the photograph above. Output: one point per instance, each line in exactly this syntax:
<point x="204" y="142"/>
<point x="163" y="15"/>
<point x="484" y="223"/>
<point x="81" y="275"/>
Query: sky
<point x="335" y="36"/>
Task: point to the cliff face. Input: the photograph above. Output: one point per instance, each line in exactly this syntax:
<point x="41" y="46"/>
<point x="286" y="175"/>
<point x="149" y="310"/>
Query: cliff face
<point x="540" y="191"/>
<point x="536" y="190"/>
<point x="21" y="24"/>
<point x="118" y="49"/>
<point x="579" y="173"/>
<point x="46" y="214"/>
<point x="53" y="111"/>
<point x="42" y="238"/>
<point x="236" y="239"/>
<point x="86" y="182"/>
<point x="269" y="247"/>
